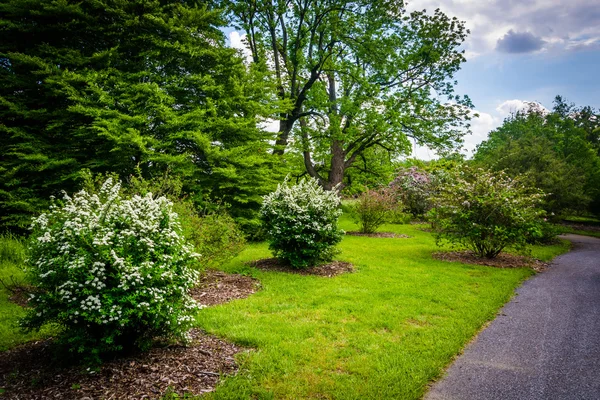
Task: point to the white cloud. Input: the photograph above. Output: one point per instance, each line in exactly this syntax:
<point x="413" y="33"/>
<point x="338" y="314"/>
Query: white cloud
<point x="480" y="128"/>
<point x="513" y="106"/>
<point x="237" y="40"/>
<point x="560" y="24"/>
<point x="482" y="125"/>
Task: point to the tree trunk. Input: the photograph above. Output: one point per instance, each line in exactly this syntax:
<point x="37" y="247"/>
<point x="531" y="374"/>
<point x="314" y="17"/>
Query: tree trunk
<point x="285" y="127"/>
<point x="336" y="174"/>
<point x="338" y="155"/>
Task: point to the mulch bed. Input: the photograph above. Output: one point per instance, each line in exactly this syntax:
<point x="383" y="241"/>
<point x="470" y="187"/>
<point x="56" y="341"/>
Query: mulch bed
<point x="217" y="287"/>
<point x="327" y="270"/>
<point x="379" y="234"/>
<point x="30" y="372"/>
<point x="503" y="260"/>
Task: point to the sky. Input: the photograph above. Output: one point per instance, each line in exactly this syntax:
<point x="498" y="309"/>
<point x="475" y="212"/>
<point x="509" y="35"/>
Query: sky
<point x="520" y="51"/>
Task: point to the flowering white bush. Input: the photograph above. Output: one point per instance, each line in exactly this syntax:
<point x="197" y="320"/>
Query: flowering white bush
<point x="301" y="223"/>
<point x="113" y="272"/>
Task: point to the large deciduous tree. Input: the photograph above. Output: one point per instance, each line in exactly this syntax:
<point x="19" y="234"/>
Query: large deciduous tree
<point x="358" y="75"/>
<point x="120" y="86"/>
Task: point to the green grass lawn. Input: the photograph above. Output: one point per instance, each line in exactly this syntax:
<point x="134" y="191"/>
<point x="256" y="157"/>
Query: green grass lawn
<point x="587" y="226"/>
<point x="12" y="253"/>
<point x="385" y="331"/>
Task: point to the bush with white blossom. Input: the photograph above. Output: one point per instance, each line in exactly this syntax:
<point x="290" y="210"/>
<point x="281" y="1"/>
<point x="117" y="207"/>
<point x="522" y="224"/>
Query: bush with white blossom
<point x="113" y="272"/>
<point x="301" y="223"/>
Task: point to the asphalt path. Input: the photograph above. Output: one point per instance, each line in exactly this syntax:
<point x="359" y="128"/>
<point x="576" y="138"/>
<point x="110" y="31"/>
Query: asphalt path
<point x="544" y="344"/>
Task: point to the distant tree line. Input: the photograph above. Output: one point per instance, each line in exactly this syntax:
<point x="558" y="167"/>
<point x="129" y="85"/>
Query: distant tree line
<point x="556" y="151"/>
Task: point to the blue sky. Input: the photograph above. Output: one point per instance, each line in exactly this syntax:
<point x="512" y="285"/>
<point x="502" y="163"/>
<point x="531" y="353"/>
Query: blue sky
<point x="524" y="51"/>
<point x="521" y="51"/>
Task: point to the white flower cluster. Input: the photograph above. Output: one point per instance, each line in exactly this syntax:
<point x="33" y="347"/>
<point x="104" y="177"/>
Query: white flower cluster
<point x="302" y="218"/>
<point x="102" y="259"/>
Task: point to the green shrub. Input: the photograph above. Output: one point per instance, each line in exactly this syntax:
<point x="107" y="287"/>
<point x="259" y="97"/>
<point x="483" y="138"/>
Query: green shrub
<point x="113" y="272"/>
<point x="413" y="188"/>
<point x="12" y="249"/>
<point x="398" y="216"/>
<point x="213" y="233"/>
<point x="301" y="223"/>
<point x="215" y="236"/>
<point x="486" y="212"/>
<point x="545" y="234"/>
<point x="373" y="208"/>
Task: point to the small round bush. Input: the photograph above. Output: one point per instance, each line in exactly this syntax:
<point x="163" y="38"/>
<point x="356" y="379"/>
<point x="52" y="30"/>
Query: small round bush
<point x="113" y="272"/>
<point x="413" y="188"/>
<point x="486" y="212"/>
<point x="301" y="223"/>
<point x="373" y="208"/>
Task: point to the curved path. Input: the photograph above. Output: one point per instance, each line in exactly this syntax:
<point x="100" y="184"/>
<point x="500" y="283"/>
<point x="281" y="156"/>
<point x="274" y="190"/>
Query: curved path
<point x="544" y="344"/>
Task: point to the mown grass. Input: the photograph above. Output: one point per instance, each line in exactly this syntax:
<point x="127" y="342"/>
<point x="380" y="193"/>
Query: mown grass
<point x="582" y="219"/>
<point x="584" y="232"/>
<point x="12" y="255"/>
<point x="385" y="331"/>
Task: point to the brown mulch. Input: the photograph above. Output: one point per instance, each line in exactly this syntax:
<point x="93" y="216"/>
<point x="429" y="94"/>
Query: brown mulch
<point x="378" y="234"/>
<point x="217" y="287"/>
<point x="503" y="260"/>
<point x="30" y="371"/>
<point x="20" y="295"/>
<point x="327" y="270"/>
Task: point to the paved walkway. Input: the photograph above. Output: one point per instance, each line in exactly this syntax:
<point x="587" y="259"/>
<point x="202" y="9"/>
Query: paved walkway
<point x="545" y="343"/>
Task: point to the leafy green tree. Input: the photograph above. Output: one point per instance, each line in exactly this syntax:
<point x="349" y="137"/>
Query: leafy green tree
<point x="552" y="151"/>
<point x="120" y="85"/>
<point x="359" y="75"/>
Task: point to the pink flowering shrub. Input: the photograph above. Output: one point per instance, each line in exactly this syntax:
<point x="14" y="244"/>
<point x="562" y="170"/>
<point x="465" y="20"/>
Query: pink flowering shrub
<point x="486" y="212"/>
<point x="113" y="272"/>
<point x="413" y="188"/>
<point x="373" y="208"/>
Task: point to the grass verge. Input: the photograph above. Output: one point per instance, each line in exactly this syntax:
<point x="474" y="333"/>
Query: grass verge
<point x="384" y="331"/>
<point x="12" y="254"/>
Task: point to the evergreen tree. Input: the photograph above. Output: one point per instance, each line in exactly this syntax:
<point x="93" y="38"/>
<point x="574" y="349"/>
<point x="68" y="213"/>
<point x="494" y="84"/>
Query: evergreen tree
<point x="121" y="85"/>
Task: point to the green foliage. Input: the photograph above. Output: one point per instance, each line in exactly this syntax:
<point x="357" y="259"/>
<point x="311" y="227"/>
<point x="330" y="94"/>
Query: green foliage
<point x="372" y="209"/>
<point x="413" y="188"/>
<point x="12" y="249"/>
<point x="120" y="85"/>
<point x="214" y="235"/>
<point x="360" y="77"/>
<point x="552" y="152"/>
<point x="301" y="223"/>
<point x="398" y="216"/>
<point x="113" y="272"/>
<point x="213" y="232"/>
<point x="372" y="169"/>
<point x="546" y="233"/>
<point x="486" y="211"/>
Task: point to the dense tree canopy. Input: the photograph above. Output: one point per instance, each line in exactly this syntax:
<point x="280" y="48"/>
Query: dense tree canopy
<point x="120" y="85"/>
<point x="358" y="75"/>
<point x="554" y="150"/>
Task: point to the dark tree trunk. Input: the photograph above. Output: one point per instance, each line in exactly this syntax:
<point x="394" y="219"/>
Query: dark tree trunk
<point x="336" y="174"/>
